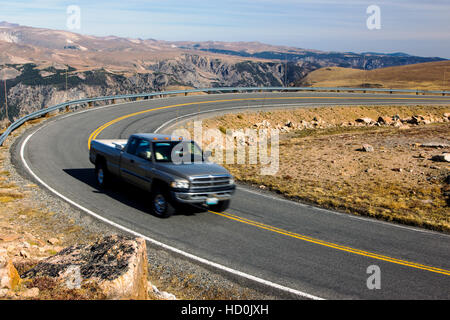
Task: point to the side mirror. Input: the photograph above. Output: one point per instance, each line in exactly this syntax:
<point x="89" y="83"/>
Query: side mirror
<point x="119" y="147"/>
<point x="207" y="154"/>
<point x="145" y="155"/>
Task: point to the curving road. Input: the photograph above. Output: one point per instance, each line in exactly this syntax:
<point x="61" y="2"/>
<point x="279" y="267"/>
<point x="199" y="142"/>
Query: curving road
<point x="310" y="252"/>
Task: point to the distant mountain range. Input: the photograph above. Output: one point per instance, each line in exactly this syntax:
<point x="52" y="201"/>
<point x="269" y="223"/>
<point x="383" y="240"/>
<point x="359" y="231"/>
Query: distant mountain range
<point x="34" y="60"/>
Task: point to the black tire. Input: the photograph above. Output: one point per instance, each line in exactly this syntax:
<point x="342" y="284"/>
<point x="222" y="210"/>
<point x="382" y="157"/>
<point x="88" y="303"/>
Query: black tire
<point x="161" y="204"/>
<point x="102" y="175"/>
<point x="221" y="206"/>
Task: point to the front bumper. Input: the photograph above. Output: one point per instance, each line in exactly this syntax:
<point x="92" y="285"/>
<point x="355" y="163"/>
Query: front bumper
<point x="200" y="197"/>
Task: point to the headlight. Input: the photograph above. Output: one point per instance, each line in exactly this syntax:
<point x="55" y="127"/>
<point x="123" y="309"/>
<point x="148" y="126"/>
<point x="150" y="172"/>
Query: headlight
<point x="231" y="181"/>
<point x="180" y="184"/>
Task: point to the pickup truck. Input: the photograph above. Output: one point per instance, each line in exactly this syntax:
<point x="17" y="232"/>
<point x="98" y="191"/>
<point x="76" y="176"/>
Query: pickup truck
<point x="150" y="162"/>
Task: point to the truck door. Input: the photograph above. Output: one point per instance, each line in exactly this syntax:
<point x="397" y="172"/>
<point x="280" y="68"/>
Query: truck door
<point x="135" y="163"/>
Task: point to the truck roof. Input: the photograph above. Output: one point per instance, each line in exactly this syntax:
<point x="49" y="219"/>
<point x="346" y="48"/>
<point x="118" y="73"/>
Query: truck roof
<point x="157" y="137"/>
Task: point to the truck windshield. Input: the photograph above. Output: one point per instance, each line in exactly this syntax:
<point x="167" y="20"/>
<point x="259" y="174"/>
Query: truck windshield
<point x="177" y="152"/>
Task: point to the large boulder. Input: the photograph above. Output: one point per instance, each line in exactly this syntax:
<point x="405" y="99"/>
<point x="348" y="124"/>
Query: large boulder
<point x="115" y="264"/>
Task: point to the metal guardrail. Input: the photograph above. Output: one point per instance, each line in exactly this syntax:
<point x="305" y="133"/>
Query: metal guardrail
<point x="62" y="106"/>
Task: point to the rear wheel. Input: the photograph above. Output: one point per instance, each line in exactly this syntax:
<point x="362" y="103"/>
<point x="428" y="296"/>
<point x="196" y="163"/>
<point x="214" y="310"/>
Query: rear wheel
<point x="101" y="175"/>
<point x="161" y="204"/>
<point x="221" y="206"/>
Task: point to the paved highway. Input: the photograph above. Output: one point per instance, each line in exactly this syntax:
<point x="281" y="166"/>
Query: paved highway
<point x="310" y="251"/>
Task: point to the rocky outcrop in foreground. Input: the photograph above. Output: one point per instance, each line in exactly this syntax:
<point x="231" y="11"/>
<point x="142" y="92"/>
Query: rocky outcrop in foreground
<point x="115" y="265"/>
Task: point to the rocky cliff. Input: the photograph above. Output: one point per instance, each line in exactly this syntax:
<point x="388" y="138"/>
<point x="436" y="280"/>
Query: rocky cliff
<point x="32" y="88"/>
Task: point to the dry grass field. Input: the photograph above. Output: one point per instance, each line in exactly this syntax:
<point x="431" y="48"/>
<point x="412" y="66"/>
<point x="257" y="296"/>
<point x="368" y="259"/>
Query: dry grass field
<point x="422" y="76"/>
<point x="324" y="164"/>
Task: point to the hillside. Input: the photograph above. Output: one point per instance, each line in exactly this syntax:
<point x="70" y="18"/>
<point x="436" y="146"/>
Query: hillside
<point x="422" y="76"/>
<point x="34" y="87"/>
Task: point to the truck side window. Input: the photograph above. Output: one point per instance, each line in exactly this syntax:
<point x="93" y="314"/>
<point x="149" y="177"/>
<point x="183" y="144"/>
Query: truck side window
<point x="143" y="149"/>
<point x="132" y="145"/>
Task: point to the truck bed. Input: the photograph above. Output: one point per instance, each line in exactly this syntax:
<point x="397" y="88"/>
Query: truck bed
<point x="107" y="148"/>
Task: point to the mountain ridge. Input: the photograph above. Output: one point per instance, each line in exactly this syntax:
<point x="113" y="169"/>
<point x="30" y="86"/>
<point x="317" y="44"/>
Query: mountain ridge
<point x="39" y="64"/>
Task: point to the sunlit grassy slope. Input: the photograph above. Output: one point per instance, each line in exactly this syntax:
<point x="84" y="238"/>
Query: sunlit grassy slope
<point x="422" y="76"/>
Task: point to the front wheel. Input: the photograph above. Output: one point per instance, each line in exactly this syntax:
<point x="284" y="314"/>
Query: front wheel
<point x="101" y="175"/>
<point x="161" y="204"/>
<point x="221" y="206"/>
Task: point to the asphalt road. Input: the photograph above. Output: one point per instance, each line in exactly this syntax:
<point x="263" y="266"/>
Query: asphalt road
<point x="315" y="251"/>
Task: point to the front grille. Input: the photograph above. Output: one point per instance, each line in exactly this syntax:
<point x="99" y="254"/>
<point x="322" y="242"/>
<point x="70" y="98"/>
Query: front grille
<point x="210" y="182"/>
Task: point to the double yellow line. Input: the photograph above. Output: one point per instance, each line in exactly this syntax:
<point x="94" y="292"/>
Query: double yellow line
<point x="106" y="125"/>
<point x="330" y="244"/>
<point x="275" y="229"/>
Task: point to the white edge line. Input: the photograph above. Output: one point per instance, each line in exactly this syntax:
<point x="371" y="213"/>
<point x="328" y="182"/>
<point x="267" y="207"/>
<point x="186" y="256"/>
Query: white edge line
<point x="166" y="124"/>
<point x="155" y="242"/>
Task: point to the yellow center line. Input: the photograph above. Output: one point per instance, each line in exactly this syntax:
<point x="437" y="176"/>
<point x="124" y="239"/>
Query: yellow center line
<point x="275" y="229"/>
<point x="332" y="245"/>
<point x="104" y="126"/>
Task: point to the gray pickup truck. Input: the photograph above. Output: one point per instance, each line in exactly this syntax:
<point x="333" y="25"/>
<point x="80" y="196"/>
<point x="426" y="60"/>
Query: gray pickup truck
<point x="174" y="172"/>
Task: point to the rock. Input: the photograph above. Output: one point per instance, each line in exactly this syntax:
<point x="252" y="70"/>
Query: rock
<point x="365" y="120"/>
<point x="447" y="115"/>
<point x="367" y="148"/>
<point x="24" y="254"/>
<point x="263" y="124"/>
<point x="397" y="169"/>
<point x="385" y="120"/>
<point x="397" y="124"/>
<point x="3" y="293"/>
<point x="262" y="187"/>
<point x="9" y="277"/>
<point x="9" y="237"/>
<point x="435" y="145"/>
<point x="289" y="124"/>
<point x="415" y="119"/>
<point x="30" y="293"/>
<point x="305" y="124"/>
<point x="116" y="264"/>
<point x="167" y="296"/>
<point x="152" y="288"/>
<point x="53" y="241"/>
<point x="445" y="157"/>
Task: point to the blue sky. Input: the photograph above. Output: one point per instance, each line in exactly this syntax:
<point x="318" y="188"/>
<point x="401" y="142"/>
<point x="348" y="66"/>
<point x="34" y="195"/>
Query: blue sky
<point x="412" y="26"/>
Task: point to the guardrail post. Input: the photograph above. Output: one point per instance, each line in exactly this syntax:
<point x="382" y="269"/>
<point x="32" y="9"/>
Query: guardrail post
<point x="90" y="104"/>
<point x="113" y="101"/>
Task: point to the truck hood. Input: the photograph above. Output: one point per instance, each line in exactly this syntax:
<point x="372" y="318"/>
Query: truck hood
<point x="192" y="169"/>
